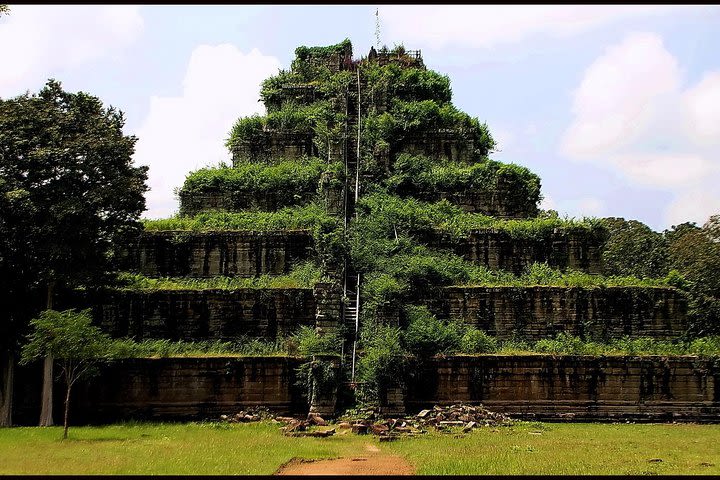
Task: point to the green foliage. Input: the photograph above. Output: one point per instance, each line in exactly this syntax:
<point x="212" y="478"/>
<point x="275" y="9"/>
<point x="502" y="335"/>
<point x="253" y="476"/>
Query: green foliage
<point x="310" y="342"/>
<point x="303" y="275"/>
<point x="695" y="254"/>
<point x="66" y="335"/>
<point x="633" y="248"/>
<point x="271" y="93"/>
<point x="317" y="375"/>
<point x="567" y="344"/>
<point x="290" y="118"/>
<point x="243" y="346"/>
<point x="288" y="218"/>
<point x="69" y="337"/>
<point x="413" y="118"/>
<point x="427" y="336"/>
<point x="422" y="177"/>
<point x="408" y="83"/>
<point x="383" y="214"/>
<point x="290" y="182"/>
<point x="303" y="52"/>
<point x="69" y="196"/>
<point x="383" y="361"/>
<point x="476" y="341"/>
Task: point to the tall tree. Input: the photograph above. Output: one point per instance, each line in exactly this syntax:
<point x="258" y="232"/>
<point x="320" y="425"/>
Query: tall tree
<point x="633" y="248"/>
<point x="65" y="159"/>
<point x="695" y="253"/>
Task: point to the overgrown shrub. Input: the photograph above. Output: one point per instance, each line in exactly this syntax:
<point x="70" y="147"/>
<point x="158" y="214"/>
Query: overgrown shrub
<point x="476" y="341"/>
<point x="383" y="360"/>
<point x="419" y="176"/>
<point x="427" y="336"/>
<point x="302" y="275"/>
<point x="287" y="182"/>
<point x="407" y="83"/>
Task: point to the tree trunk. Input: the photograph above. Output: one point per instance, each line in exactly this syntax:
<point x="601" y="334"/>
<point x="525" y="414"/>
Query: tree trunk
<point x="67" y="410"/>
<point x="46" y="406"/>
<point x="46" y="410"/>
<point x="7" y="368"/>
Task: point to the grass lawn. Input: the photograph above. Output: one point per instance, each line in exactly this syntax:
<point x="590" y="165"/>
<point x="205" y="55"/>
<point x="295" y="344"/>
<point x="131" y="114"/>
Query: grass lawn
<point x="527" y="448"/>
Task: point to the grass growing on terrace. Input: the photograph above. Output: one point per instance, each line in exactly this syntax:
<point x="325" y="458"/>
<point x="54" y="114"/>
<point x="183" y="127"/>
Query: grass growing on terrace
<point x="288" y="218"/>
<point x="565" y="344"/>
<point x="242" y="347"/>
<point x="303" y="275"/>
<point x="260" y="448"/>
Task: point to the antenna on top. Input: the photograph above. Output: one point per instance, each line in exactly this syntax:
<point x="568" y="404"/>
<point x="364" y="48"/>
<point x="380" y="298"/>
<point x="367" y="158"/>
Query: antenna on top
<point x="377" y="28"/>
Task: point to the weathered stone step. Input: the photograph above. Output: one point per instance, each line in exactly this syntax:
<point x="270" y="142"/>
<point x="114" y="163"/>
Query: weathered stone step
<point x="563" y="249"/>
<point x="194" y="315"/>
<point x="207" y="254"/>
<point x="562" y="388"/>
<point x="573" y="387"/>
<point x="537" y="312"/>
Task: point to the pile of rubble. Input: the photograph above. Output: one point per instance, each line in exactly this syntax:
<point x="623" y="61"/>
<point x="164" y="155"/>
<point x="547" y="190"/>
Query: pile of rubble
<point x="466" y="416"/>
<point x="367" y="421"/>
<point x="440" y="418"/>
<point x="252" y="414"/>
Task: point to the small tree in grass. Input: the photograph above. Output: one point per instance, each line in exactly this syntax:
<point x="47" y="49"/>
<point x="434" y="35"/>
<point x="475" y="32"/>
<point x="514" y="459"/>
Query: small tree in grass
<point x="70" y="338"/>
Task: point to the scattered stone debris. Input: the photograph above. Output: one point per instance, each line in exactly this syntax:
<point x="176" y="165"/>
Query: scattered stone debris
<point x="368" y="421"/>
<point x="467" y="417"/>
<point x="252" y="414"/>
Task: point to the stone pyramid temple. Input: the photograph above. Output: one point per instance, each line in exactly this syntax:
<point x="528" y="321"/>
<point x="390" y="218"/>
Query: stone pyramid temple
<point x="364" y="210"/>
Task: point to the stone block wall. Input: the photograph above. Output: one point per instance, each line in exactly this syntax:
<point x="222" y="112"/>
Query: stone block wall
<point x="532" y="387"/>
<point x="328" y="298"/>
<point x="191" y="204"/>
<point x="438" y="144"/>
<point x="330" y="196"/>
<point x="193" y="315"/>
<point x="275" y="144"/>
<point x="538" y="312"/>
<point x="497" y="250"/>
<point x="573" y="387"/>
<point x="207" y="254"/>
<point x="169" y="389"/>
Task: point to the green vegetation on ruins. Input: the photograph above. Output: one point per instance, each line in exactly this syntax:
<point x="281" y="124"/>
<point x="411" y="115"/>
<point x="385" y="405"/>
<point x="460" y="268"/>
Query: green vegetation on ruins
<point x="419" y="176"/>
<point x="291" y="181"/>
<point x="304" y="217"/>
<point x="403" y="232"/>
<point x="303" y="275"/>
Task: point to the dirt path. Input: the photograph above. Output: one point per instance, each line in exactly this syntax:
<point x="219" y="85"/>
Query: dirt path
<point x="373" y="463"/>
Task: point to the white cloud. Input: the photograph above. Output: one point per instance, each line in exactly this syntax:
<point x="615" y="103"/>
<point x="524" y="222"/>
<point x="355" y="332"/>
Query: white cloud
<point x="488" y="25"/>
<point x="181" y="134"/>
<point x="589" y="206"/>
<point x="617" y="96"/>
<point x="632" y="115"/>
<point x="693" y="205"/>
<point x="38" y="41"/>
<point x="503" y="138"/>
<point x="547" y="203"/>
<point x="703" y="107"/>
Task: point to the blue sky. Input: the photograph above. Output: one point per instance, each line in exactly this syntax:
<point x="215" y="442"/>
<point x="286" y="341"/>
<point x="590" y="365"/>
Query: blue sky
<point x="617" y="108"/>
